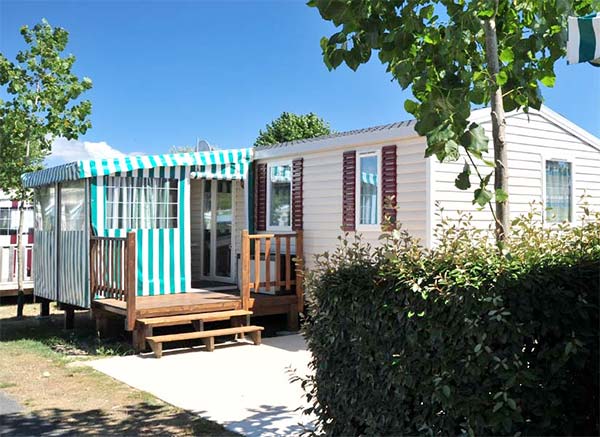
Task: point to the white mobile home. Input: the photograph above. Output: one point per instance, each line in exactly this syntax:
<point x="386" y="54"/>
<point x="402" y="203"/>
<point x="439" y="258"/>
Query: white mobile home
<point x="341" y="179"/>
<point x="9" y="224"/>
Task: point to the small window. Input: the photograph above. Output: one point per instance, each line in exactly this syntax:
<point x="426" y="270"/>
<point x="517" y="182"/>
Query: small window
<point x="559" y="191"/>
<point x="45" y="208"/>
<point x="141" y="203"/>
<point x="279" y="196"/>
<point x="368" y="191"/>
<point x="5" y="221"/>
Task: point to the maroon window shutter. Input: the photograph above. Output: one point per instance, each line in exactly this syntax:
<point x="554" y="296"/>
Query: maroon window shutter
<point x="349" y="191"/>
<point x="260" y="198"/>
<point x="297" y="208"/>
<point x="388" y="184"/>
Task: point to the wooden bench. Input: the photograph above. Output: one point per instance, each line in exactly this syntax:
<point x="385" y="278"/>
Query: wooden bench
<point x="208" y="337"/>
<point x="144" y="327"/>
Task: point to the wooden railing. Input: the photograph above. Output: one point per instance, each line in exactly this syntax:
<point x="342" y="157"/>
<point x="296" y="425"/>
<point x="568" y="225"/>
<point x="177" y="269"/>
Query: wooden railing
<point x="263" y="246"/>
<point x="112" y="271"/>
<point x="8" y="263"/>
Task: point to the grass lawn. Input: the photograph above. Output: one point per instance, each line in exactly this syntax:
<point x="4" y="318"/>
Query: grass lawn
<point x="40" y="367"/>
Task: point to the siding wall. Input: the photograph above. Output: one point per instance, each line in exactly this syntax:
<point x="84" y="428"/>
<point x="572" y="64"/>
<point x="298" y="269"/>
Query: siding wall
<point x="530" y="141"/>
<point x="323" y="194"/>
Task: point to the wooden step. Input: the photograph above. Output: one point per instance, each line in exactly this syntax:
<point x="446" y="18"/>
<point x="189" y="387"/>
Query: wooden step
<point x="187" y="318"/>
<point x="208" y="337"/>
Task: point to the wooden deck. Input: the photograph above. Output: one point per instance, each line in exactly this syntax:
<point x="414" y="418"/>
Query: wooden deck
<point x="202" y="301"/>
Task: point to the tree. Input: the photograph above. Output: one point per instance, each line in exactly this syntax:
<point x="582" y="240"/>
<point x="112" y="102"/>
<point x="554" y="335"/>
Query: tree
<point x="289" y="127"/>
<point x="42" y="105"/>
<point x="455" y="54"/>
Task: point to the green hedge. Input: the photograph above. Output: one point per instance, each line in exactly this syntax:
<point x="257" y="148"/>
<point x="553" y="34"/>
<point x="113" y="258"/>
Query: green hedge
<point x="465" y="339"/>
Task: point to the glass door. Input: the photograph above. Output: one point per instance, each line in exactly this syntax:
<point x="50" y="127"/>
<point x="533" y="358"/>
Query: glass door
<point x="217" y="214"/>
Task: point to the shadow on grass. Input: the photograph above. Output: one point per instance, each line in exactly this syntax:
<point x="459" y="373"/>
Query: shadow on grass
<point x="144" y="418"/>
<point x="49" y="331"/>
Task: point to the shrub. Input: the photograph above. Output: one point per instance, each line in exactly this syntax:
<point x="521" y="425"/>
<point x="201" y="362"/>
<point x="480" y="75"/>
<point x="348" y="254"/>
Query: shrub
<point x="462" y="339"/>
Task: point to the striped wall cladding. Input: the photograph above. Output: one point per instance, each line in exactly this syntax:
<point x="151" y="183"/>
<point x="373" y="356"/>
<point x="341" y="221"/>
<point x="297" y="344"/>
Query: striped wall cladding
<point x="162" y="255"/>
<point x="73" y="268"/>
<point x="44" y="277"/>
<point x="218" y="164"/>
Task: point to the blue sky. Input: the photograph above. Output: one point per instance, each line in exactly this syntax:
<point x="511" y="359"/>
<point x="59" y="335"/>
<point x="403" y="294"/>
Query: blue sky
<point x="166" y="73"/>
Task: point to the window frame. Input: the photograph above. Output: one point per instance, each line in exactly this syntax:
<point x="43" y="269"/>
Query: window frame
<point x="564" y="157"/>
<point x="108" y="184"/>
<point x="358" y="225"/>
<point x="269" y="227"/>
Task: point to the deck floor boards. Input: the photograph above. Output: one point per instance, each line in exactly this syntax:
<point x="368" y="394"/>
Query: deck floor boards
<point x="197" y="301"/>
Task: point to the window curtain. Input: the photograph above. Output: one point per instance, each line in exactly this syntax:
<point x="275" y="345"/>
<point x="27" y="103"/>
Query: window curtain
<point x="141" y="203"/>
<point x="558" y="191"/>
<point x="368" y="198"/>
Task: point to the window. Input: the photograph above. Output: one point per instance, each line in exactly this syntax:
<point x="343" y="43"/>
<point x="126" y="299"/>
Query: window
<point x="559" y="191"/>
<point x="45" y="208"/>
<point x="72" y="206"/>
<point x="279" y="196"/>
<point x="5" y="221"/>
<point x="141" y="203"/>
<point x="368" y="190"/>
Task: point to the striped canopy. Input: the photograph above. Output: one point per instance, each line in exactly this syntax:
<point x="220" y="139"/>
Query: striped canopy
<point x="584" y="39"/>
<point x="368" y="178"/>
<point x="217" y="164"/>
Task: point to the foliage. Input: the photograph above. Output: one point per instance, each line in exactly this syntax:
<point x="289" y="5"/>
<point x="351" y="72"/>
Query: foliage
<point x="438" y="49"/>
<point x="42" y="90"/>
<point x="289" y="127"/>
<point x="462" y="339"/>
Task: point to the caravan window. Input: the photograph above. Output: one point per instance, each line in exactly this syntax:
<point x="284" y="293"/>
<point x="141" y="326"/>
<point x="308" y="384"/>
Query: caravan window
<point x="45" y="208"/>
<point x="141" y="203"/>
<point x="368" y="189"/>
<point x="5" y="221"/>
<point x="279" y="194"/>
<point x="559" y="191"/>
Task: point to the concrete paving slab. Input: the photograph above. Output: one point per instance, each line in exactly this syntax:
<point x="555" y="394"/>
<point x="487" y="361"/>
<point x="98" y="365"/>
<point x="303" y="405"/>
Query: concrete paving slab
<point x="246" y="388"/>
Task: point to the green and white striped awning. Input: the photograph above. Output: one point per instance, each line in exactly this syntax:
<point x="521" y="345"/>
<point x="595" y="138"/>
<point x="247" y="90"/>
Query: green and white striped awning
<point x="217" y="164"/>
<point x="584" y="39"/>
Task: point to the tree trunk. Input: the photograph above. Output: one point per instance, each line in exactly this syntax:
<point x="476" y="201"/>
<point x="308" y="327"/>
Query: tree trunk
<point x="498" y="129"/>
<point x="20" y="261"/>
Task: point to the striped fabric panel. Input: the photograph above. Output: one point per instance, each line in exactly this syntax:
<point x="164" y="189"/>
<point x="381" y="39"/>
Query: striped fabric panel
<point x="73" y="268"/>
<point x="218" y="164"/>
<point x="584" y="39"/>
<point x="45" y="272"/>
<point x="162" y="255"/>
<point x="52" y="175"/>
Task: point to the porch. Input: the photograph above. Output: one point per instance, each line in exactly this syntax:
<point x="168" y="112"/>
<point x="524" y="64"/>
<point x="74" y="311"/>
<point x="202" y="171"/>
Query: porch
<point x="271" y="283"/>
<point x="8" y="269"/>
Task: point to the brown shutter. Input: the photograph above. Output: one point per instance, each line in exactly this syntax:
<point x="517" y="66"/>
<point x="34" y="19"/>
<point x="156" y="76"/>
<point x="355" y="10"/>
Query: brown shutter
<point x="260" y="198"/>
<point x="297" y="209"/>
<point x="349" y="191"/>
<point x="388" y="184"/>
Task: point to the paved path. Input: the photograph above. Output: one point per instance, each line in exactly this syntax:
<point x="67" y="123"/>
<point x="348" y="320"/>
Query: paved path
<point x="246" y="388"/>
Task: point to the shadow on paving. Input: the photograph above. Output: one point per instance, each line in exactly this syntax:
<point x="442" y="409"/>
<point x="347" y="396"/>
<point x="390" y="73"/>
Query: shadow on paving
<point x="143" y="419"/>
<point x="267" y="420"/>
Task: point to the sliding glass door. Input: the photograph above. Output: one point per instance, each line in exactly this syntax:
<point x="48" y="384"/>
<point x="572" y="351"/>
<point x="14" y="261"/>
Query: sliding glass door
<point x="217" y="230"/>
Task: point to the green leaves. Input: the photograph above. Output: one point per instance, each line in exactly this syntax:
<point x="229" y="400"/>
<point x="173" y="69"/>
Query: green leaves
<point x="462" y="181"/>
<point x="475" y="140"/>
<point x="44" y="103"/>
<point x="289" y="127"/>
<point x="482" y="196"/>
<point x="507" y="55"/>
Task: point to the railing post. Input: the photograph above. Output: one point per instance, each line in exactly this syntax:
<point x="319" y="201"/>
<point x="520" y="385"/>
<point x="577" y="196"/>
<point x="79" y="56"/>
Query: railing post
<point x="130" y="293"/>
<point x="300" y="269"/>
<point x="93" y="278"/>
<point x="245" y="291"/>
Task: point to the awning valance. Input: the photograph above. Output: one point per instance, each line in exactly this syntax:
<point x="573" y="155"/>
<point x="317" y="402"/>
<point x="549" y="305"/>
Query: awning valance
<point x="584" y="39"/>
<point x="216" y="164"/>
